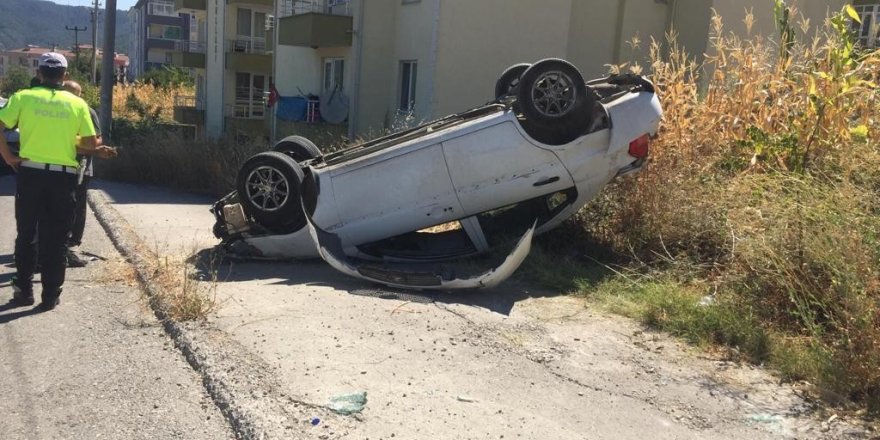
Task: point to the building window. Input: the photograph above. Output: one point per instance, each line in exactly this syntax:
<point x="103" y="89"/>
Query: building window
<point x="408" y="78"/>
<point x="249" y="90"/>
<point x="868" y="32"/>
<point x="334" y="74"/>
<point x="161" y="7"/>
<point x="165" y="32"/>
<point x="36" y="63"/>
<point x="250" y="30"/>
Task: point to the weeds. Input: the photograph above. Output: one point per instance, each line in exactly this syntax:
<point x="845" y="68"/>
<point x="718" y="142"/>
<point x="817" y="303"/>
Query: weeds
<point x="764" y="183"/>
<point x="185" y="292"/>
<point x="158" y="154"/>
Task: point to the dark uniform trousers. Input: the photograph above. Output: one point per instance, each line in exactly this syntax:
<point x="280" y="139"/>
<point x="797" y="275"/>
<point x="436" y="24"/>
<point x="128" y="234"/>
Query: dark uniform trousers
<point x="44" y="202"/>
<point x="79" y="214"/>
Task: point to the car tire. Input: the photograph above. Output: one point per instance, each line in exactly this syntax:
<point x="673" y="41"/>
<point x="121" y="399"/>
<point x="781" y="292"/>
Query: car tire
<point x="509" y="80"/>
<point x="268" y="186"/>
<point x="552" y="92"/>
<point x="297" y="147"/>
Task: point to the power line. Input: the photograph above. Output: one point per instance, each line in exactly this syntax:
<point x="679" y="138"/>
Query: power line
<point x="76" y="30"/>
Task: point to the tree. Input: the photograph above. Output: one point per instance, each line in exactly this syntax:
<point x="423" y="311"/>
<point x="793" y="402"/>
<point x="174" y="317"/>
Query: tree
<point x="16" y="78"/>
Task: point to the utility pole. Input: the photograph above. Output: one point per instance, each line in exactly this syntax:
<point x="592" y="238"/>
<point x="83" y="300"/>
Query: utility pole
<point x="76" y="30"/>
<point x="107" y="71"/>
<point x="95" y="42"/>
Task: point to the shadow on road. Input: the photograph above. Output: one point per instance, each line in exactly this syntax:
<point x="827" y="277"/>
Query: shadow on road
<point x="15" y="315"/>
<point x="123" y="194"/>
<point x="211" y="265"/>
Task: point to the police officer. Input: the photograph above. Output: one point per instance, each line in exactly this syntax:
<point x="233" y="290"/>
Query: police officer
<point x="49" y="119"/>
<point x="85" y="175"/>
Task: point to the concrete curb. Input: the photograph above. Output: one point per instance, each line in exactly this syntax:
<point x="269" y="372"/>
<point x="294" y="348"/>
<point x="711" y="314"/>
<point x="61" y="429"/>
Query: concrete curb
<point x="242" y="386"/>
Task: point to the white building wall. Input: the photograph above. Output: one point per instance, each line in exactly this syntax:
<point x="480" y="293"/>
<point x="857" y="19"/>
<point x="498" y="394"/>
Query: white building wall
<point x="478" y="40"/>
<point x="413" y="41"/>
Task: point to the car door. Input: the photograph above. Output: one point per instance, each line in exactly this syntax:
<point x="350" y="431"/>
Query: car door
<point x="496" y="166"/>
<point x="394" y="192"/>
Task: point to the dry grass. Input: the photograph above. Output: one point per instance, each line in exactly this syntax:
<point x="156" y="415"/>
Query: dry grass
<point x="117" y="270"/>
<point x="136" y="102"/>
<point x="765" y="187"/>
<point x="159" y="155"/>
<point x="183" y="292"/>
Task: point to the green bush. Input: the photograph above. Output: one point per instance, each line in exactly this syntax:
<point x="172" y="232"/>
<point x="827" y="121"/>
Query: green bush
<point x="16" y="78"/>
<point x="168" y="77"/>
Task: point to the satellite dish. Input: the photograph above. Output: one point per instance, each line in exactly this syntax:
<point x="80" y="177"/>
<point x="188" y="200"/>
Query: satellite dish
<point x="334" y="107"/>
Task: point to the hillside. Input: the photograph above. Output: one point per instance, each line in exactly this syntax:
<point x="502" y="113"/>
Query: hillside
<point x="42" y="23"/>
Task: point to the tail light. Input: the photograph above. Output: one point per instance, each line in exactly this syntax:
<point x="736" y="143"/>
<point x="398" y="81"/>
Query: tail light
<point x="639" y="147"/>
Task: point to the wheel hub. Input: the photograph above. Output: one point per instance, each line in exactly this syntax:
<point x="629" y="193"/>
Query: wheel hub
<point x="267" y="188"/>
<point x="553" y="94"/>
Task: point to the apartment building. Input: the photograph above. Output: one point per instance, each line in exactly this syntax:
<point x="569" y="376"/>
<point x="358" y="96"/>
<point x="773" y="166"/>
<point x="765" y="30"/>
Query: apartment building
<point x="27" y="57"/>
<point x="399" y="62"/>
<point x="228" y="49"/>
<point x="156" y="29"/>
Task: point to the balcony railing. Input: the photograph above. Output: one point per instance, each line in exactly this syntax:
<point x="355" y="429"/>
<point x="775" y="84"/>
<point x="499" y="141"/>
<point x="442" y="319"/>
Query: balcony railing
<point x="189" y="101"/>
<point x="243" y="109"/>
<point x="245" y="44"/>
<point x="189" y="46"/>
<point x="332" y="7"/>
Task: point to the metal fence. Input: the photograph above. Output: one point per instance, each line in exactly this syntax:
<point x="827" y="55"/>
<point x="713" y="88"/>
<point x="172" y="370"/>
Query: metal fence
<point x="244" y="109"/>
<point x="246" y="44"/>
<point x="333" y="7"/>
<point x="189" y="46"/>
<point x="189" y="101"/>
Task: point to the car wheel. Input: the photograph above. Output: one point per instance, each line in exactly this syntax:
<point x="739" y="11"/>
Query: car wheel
<point x="553" y="91"/>
<point x="268" y="187"/>
<point x="297" y="147"/>
<point x="509" y="80"/>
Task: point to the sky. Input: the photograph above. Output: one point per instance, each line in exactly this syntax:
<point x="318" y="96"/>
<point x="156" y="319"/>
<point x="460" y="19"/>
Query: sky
<point x="120" y="4"/>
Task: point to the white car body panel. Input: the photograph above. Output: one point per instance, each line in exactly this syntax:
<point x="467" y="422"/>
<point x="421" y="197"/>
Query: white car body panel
<point x="414" y="191"/>
<point x="330" y="249"/>
<point x="504" y="169"/>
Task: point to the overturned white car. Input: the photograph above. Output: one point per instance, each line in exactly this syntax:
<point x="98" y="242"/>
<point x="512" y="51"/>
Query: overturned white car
<point x="451" y="188"/>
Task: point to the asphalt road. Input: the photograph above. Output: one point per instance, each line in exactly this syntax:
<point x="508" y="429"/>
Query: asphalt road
<point x="98" y="366"/>
<point x="512" y="362"/>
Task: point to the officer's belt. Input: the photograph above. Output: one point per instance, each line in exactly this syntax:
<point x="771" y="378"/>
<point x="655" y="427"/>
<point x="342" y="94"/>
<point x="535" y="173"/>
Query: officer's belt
<point x="48" y="166"/>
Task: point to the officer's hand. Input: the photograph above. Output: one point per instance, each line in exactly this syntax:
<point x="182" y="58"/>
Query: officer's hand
<point x="13" y="161"/>
<point x="105" y="152"/>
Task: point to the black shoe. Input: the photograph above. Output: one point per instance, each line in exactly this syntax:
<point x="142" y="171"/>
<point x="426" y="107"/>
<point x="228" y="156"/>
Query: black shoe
<point x="21" y="297"/>
<point x="50" y="300"/>
<point x="48" y="305"/>
<point x="22" y="300"/>
<point x="73" y="260"/>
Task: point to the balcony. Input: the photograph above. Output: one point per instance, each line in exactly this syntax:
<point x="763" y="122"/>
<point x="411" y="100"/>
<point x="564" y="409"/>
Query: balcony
<point x="190" y="5"/>
<point x="267" y="3"/>
<point x="247" y="117"/>
<point x="189" y="54"/>
<point x="189" y="110"/>
<point x="315" y="23"/>
<point x="160" y="43"/>
<point x="248" y="54"/>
